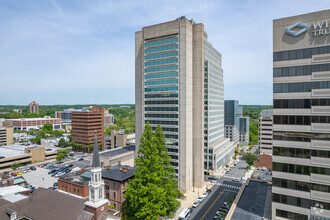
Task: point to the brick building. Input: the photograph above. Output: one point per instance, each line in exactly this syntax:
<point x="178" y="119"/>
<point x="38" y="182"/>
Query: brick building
<point x="86" y="124"/>
<point x="73" y="184"/>
<point x="116" y="180"/>
<point x="34" y="107"/>
<point x="25" y="124"/>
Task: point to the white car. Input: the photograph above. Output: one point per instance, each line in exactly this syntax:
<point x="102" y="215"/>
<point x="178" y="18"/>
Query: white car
<point x="201" y="198"/>
<point x="59" y="174"/>
<point x="263" y="168"/>
<point x="195" y="204"/>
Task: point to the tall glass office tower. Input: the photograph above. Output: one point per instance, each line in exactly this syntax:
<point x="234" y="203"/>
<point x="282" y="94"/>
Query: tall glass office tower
<point x="179" y="85"/>
<point x="301" y="121"/>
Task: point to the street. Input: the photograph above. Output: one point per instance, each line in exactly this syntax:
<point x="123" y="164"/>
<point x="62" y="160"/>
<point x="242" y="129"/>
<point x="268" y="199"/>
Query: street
<point x="224" y="189"/>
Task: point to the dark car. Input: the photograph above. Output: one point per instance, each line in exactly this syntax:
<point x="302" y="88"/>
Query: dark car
<point x="208" y="191"/>
<point x="55" y="184"/>
<point x="52" y="171"/>
<point x="80" y="159"/>
<point x="55" y="173"/>
<point x="14" y="174"/>
<point x="33" y="168"/>
<point x="69" y="165"/>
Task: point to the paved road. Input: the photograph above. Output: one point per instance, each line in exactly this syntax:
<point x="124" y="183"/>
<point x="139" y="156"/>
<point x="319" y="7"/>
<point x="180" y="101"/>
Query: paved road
<point x="223" y="190"/>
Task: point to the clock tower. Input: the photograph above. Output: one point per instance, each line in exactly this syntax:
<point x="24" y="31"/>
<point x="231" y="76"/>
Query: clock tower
<point x="96" y="203"/>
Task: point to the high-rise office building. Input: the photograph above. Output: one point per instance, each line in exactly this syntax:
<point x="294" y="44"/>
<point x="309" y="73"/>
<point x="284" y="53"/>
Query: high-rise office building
<point x="179" y="85"/>
<point x="88" y="124"/>
<point x="244" y="131"/>
<point x="301" y="123"/>
<point x="232" y="114"/>
<point x="265" y="132"/>
<point x="34" y="107"/>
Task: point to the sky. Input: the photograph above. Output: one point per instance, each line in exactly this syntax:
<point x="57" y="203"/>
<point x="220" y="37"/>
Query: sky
<point x="82" y="51"/>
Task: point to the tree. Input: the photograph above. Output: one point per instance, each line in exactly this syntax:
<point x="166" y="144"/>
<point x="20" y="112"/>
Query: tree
<point x="169" y="182"/>
<point x="60" y="156"/>
<point x="48" y="127"/>
<point x="250" y="158"/>
<point x="149" y="193"/>
<point x="63" y="143"/>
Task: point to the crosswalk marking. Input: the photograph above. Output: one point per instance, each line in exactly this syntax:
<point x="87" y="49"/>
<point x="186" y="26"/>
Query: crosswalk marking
<point x="231" y="177"/>
<point x="227" y="185"/>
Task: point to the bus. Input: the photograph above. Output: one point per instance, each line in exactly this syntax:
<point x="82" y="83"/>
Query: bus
<point x="184" y="215"/>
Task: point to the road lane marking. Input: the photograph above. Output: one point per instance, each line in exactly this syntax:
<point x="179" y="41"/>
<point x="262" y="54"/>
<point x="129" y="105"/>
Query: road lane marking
<point x="212" y="205"/>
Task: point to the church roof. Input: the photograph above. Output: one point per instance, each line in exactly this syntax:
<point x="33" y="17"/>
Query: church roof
<point x="96" y="157"/>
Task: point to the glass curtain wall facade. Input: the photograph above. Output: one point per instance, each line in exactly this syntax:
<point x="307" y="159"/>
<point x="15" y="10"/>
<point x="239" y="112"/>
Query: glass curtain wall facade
<point x="161" y="88"/>
<point x="301" y="123"/>
<point x="213" y="104"/>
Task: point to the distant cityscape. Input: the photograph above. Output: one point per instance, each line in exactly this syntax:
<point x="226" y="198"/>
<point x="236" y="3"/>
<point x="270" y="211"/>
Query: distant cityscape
<point x="181" y="151"/>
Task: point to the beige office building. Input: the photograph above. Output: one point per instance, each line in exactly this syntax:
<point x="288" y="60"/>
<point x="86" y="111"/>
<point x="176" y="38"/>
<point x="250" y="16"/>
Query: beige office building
<point x="6" y="135"/>
<point x="179" y="85"/>
<point x="266" y="132"/>
<point x="301" y="123"/>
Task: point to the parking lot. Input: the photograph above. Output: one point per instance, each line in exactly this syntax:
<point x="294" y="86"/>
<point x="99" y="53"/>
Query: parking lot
<point x="39" y="178"/>
<point x="262" y="175"/>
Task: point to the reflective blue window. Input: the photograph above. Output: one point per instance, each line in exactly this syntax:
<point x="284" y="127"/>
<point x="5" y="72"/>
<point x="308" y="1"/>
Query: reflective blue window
<point x="161" y="55"/>
<point x="161" y="82"/>
<point x="160" y="62"/>
<point x="159" y="69"/>
<point x="166" y="88"/>
<point x="162" y="75"/>
<point x="160" y="42"/>
<point x="158" y="49"/>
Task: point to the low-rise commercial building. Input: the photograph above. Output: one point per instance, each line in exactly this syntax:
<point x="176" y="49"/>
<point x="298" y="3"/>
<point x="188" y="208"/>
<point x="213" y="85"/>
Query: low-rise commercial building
<point x="266" y="132"/>
<point x="6" y="136"/>
<point x="73" y="184"/>
<point x="25" y="124"/>
<point x="125" y="155"/>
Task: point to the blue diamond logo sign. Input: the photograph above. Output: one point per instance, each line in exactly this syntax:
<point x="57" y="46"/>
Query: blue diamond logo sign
<point x="289" y="30"/>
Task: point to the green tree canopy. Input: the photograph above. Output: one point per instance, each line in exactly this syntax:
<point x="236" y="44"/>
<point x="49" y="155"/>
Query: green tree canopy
<point x="250" y="158"/>
<point x="153" y="191"/>
<point x="63" y="143"/>
<point x="48" y="127"/>
<point x="60" y="157"/>
<point x="16" y="165"/>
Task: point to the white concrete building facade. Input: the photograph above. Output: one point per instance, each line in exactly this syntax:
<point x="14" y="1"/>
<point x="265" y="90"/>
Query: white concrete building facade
<point x="301" y="122"/>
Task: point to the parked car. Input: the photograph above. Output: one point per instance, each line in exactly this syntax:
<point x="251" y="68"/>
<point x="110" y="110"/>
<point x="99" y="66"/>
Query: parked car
<point x="53" y="174"/>
<point x="24" y="171"/>
<point x="69" y="165"/>
<point x="55" y="184"/>
<point x="19" y="173"/>
<point x="263" y="168"/>
<point x="258" y="168"/>
<point x="201" y="198"/>
<point x="227" y="172"/>
<point x="258" y="177"/>
<point x="196" y="203"/>
<point x="267" y="173"/>
<point x="80" y="159"/>
<point x="235" y="180"/>
<point x="33" y="168"/>
<point x="14" y="174"/>
<point x="44" y="165"/>
<point x="208" y="191"/>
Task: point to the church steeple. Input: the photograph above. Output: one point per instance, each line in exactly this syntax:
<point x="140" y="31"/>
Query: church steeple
<point x="96" y="203"/>
<point x="96" y="157"/>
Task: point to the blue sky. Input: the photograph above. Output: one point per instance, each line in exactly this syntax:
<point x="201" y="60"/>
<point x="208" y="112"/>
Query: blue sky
<point x="82" y="52"/>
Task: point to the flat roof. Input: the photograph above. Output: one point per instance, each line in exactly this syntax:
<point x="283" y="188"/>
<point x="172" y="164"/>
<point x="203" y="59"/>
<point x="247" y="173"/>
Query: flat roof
<point x="12" y="189"/>
<point x="255" y="202"/>
<point x="29" y="119"/>
<point x="117" y="151"/>
<point x="18" y="150"/>
<point x="266" y="112"/>
<point x="12" y="150"/>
